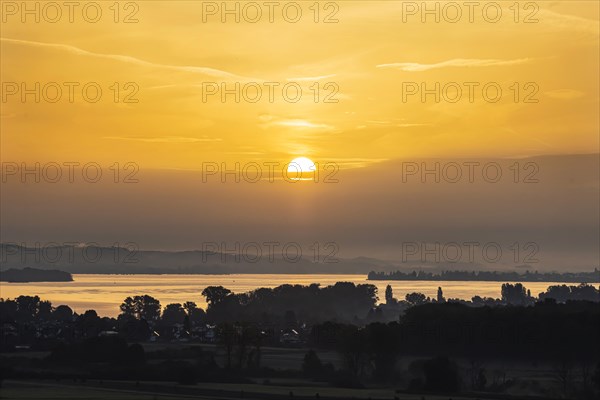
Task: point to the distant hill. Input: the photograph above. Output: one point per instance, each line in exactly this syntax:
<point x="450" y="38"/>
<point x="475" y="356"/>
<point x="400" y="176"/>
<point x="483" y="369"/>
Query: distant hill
<point x="35" y="275"/>
<point x="118" y="260"/>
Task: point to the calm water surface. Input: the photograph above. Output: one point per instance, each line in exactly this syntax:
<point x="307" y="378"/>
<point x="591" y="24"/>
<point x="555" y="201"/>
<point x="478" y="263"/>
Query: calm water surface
<point x="104" y="293"/>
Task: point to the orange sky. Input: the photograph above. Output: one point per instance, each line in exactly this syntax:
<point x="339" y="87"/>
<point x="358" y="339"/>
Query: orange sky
<point x="172" y="57"/>
<point x="354" y="82"/>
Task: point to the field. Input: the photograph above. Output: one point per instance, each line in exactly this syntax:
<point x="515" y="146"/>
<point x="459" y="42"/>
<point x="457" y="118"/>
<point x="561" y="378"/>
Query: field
<point x="525" y="377"/>
<point x="149" y="391"/>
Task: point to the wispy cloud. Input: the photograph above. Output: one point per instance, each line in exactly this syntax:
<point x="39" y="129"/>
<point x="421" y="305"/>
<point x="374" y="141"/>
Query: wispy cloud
<point x="298" y="124"/>
<point x="216" y="73"/>
<point x="358" y="162"/>
<point x="166" y="139"/>
<point x="273" y="120"/>
<point x="311" y="78"/>
<point x="457" y="62"/>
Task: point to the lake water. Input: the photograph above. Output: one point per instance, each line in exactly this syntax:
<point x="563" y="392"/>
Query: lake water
<point x="104" y="293"/>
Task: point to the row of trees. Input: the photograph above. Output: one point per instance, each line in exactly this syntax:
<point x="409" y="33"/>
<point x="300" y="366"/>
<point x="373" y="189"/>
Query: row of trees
<point x="546" y="332"/>
<point x="517" y="294"/>
<point x="148" y="308"/>
<point x="510" y="294"/>
<point x="284" y="305"/>
<point x="29" y="308"/>
<point x="563" y="336"/>
<point x="495" y="276"/>
<point x="343" y="301"/>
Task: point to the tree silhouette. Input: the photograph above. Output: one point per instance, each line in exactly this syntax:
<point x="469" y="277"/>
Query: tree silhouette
<point x="514" y="294"/>
<point x="63" y="313"/>
<point x="142" y="307"/>
<point x="215" y="294"/>
<point x="563" y="293"/>
<point x="173" y="314"/>
<point x="440" y="296"/>
<point x="389" y="295"/>
<point x="414" y="299"/>
<point x="383" y="348"/>
<point x="28" y="306"/>
<point x="194" y="313"/>
<point x="311" y="365"/>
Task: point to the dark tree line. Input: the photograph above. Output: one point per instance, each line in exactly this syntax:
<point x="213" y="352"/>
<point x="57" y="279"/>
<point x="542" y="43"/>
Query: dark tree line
<point x="495" y="276"/>
<point x="564" y="336"/>
<point x="435" y="333"/>
<point x="544" y="331"/>
<point x="288" y="304"/>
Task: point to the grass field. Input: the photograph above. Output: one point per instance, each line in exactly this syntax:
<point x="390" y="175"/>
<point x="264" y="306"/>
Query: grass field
<point x="272" y="357"/>
<point x="35" y="390"/>
<point x="526" y="380"/>
<point x="161" y="391"/>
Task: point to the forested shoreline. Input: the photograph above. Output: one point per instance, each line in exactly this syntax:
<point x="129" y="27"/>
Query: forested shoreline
<point x="491" y="276"/>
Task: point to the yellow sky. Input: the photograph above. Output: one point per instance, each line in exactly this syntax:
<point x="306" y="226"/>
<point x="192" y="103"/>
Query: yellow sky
<point x="172" y="57"/>
<point x="176" y="59"/>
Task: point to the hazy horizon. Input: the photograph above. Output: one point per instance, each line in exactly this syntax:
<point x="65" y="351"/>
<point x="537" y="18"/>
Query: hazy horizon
<point x="550" y="223"/>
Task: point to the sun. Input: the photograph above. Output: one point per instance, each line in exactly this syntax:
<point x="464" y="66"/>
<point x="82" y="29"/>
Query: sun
<point x="301" y="165"/>
<point x="301" y="169"/>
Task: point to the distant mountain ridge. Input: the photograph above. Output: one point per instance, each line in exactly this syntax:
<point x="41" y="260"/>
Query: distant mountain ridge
<point x="118" y="260"/>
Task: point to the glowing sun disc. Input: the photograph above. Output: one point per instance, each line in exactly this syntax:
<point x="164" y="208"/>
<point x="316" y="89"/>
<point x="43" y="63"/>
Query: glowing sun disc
<point x="301" y="165"/>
